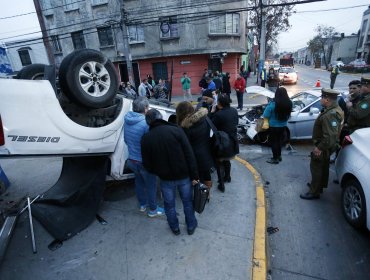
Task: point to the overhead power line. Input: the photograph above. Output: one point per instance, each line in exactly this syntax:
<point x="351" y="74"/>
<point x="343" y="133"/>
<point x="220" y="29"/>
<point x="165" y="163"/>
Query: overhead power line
<point x="334" y="9"/>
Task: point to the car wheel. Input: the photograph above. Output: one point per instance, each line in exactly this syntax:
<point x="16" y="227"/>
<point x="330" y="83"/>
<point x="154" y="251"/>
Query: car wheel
<point x="32" y="72"/>
<point x="353" y="203"/>
<point x="88" y="78"/>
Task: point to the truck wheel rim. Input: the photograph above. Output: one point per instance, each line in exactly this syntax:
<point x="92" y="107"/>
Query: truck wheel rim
<point x="352" y="203"/>
<point x="94" y="79"/>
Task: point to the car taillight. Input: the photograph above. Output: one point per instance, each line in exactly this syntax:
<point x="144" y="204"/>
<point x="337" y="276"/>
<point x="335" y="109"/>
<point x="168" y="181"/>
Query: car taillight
<point x="2" y="139"/>
<point x="346" y="141"/>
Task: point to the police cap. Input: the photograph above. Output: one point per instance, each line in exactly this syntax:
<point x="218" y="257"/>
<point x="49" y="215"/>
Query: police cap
<point x="330" y="93"/>
<point x="365" y="80"/>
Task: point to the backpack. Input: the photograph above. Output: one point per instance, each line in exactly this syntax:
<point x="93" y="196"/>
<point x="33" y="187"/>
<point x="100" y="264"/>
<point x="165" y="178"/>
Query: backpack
<point x="220" y="141"/>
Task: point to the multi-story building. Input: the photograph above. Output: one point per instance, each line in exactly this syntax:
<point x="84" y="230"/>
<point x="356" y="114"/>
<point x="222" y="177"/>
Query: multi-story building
<point x="25" y="52"/>
<point x="363" y="45"/>
<point x="345" y="49"/>
<point x="166" y="38"/>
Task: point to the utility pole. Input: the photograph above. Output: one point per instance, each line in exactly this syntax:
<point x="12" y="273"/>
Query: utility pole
<point x="126" y="45"/>
<point x="45" y="36"/>
<point x="262" y="38"/>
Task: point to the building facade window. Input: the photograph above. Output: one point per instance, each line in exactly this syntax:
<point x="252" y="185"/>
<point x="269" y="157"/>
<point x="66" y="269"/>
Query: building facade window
<point x="70" y="5"/>
<point x="98" y="2"/>
<point x="169" y="27"/>
<point x="25" y="57"/>
<point x="56" y="44"/>
<point x="47" y="8"/>
<point x="136" y="34"/>
<point x="160" y="71"/>
<point x="78" y="40"/>
<point x="364" y="24"/>
<point x="105" y="35"/>
<point x="225" y="24"/>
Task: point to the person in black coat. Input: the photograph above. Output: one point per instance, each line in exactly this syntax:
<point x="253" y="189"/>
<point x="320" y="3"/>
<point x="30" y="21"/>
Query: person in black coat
<point x="226" y="84"/>
<point x="167" y="153"/>
<point x="226" y="119"/>
<point x="197" y="130"/>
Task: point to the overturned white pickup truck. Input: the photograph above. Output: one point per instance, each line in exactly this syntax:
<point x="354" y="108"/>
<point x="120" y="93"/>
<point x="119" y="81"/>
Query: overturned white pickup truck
<point x="84" y="117"/>
<point x="80" y="120"/>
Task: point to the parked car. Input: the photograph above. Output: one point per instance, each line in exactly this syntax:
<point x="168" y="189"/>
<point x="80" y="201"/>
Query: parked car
<point x="306" y="108"/>
<point x="357" y="63"/>
<point x="338" y="63"/>
<point x="353" y="168"/>
<point x="288" y="75"/>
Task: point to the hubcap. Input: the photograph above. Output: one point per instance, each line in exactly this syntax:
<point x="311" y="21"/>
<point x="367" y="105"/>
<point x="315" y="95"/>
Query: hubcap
<point x="94" y="79"/>
<point x="352" y="203"/>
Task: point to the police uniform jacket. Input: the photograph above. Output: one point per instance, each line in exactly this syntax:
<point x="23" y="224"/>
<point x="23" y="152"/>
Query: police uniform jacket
<point x="327" y="127"/>
<point x="359" y="115"/>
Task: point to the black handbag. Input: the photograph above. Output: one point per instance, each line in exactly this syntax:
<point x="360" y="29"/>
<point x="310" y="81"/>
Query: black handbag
<point x="201" y="193"/>
<point x="220" y="141"/>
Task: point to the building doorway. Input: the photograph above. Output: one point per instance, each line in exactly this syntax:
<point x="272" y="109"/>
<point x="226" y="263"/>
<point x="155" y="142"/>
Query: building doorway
<point x="214" y="64"/>
<point x="124" y="74"/>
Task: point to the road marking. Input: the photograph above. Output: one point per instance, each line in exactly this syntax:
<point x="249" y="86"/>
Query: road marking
<point x="259" y="265"/>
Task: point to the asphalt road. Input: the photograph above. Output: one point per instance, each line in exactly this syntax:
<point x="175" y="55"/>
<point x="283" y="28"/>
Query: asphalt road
<point x="308" y="76"/>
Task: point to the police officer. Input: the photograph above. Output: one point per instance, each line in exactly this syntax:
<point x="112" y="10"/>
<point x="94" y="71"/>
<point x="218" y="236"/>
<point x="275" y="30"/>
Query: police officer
<point x="325" y="138"/>
<point x="333" y="75"/>
<point x="359" y="115"/>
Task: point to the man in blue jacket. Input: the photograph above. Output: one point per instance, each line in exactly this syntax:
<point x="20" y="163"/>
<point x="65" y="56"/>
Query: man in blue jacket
<point x="135" y="127"/>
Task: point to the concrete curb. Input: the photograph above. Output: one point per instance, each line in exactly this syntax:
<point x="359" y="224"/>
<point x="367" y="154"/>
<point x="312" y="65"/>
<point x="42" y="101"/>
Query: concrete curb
<point x="259" y="265"/>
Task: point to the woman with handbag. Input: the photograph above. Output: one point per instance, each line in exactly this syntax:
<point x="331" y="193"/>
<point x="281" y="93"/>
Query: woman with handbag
<point x="277" y="112"/>
<point x="194" y="124"/>
<point x="225" y="118"/>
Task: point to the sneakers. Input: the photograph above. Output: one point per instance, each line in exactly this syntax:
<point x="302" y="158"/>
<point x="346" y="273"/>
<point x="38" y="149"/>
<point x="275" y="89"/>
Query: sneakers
<point x="142" y="208"/>
<point x="157" y="212"/>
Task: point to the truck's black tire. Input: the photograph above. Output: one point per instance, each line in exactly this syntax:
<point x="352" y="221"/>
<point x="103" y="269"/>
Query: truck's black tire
<point x="88" y="78"/>
<point x="32" y="72"/>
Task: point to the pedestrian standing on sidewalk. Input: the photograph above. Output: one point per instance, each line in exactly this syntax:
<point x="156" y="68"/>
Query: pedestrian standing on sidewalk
<point x="239" y="86"/>
<point x="278" y="112"/>
<point x="226" y="87"/>
<point x="197" y="130"/>
<point x="263" y="76"/>
<point x="273" y="79"/>
<point x="145" y="182"/>
<point x="333" y="75"/>
<point x="325" y="139"/>
<point x="185" y="83"/>
<point x="167" y="153"/>
<point x="226" y="119"/>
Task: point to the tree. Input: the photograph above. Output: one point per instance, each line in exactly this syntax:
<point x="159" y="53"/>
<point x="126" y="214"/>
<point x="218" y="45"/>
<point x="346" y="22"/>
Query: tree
<point x="322" y="43"/>
<point x="277" y="20"/>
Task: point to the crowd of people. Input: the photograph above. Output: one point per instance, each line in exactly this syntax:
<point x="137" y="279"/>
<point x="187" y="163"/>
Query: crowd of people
<point x="180" y="154"/>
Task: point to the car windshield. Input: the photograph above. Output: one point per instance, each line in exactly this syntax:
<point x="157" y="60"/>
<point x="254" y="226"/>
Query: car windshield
<point x="286" y="70"/>
<point x="302" y="100"/>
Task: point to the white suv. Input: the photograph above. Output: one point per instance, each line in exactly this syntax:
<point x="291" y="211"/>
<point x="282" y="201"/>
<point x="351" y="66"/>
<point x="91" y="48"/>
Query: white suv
<point x="353" y="169"/>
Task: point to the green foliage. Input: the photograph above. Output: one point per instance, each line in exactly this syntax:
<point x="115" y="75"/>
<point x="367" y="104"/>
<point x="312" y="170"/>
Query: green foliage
<point x="322" y="43"/>
<point x="277" y="20"/>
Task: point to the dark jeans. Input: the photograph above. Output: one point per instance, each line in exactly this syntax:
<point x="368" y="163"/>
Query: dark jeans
<point x="145" y="185"/>
<point x="185" y="188"/>
<point x="276" y="138"/>
<point x="239" y="95"/>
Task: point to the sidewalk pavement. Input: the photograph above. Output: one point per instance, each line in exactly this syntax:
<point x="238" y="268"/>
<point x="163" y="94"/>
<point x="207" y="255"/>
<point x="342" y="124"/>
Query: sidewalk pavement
<point x="248" y="99"/>
<point x="134" y="246"/>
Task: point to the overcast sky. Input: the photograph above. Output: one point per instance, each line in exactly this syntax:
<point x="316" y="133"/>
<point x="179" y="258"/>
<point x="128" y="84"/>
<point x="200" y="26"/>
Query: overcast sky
<point x="303" y="23"/>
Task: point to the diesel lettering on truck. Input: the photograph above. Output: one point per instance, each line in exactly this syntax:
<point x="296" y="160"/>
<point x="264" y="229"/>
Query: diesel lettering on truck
<point x="17" y="138"/>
